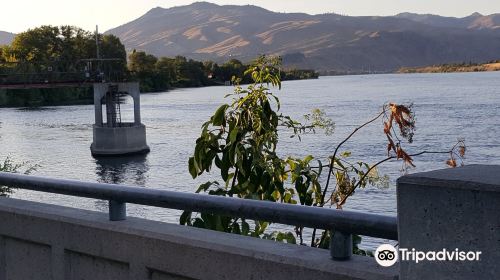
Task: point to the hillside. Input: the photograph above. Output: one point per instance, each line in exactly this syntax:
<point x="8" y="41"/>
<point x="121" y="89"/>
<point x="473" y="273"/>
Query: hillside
<point x="475" y="21"/>
<point x="323" y="42"/>
<point x="450" y="68"/>
<point x="6" y="38"/>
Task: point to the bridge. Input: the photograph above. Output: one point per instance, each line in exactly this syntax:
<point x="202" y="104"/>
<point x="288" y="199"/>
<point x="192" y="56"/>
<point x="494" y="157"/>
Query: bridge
<point x="451" y="209"/>
<point x="57" y="74"/>
<point x="107" y="78"/>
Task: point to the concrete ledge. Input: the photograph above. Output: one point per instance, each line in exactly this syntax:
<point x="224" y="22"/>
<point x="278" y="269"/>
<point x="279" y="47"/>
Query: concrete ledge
<point x="469" y="177"/>
<point x="85" y="245"/>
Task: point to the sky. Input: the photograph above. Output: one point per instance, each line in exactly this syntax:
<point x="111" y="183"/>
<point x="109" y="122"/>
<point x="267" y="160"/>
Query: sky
<point x="19" y="15"/>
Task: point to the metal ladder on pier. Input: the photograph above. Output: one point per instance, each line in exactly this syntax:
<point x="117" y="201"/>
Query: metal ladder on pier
<point x="113" y="110"/>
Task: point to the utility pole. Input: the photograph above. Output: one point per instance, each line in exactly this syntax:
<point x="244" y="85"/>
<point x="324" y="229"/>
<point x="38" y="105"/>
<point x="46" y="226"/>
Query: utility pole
<point x="98" y="55"/>
<point x="97" y="41"/>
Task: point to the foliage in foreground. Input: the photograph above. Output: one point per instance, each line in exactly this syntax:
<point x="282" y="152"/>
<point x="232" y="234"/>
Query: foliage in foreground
<point x="240" y="140"/>
<point x="10" y="166"/>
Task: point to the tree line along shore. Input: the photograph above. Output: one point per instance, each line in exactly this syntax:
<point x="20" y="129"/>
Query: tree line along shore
<point x="454" y="67"/>
<point x="63" y="52"/>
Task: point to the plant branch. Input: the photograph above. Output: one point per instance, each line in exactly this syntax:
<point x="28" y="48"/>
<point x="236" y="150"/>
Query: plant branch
<point x="234" y="178"/>
<point x="332" y="162"/>
<point x="342" y="202"/>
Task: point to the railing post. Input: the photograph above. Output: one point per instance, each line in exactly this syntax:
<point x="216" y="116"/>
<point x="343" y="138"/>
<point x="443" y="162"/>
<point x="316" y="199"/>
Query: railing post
<point x="117" y="211"/>
<point x="340" y="245"/>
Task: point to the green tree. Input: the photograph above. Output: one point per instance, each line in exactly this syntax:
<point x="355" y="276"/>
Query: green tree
<point x="241" y="140"/>
<point x="10" y="166"/>
<point x="211" y="68"/>
<point x="140" y="62"/>
<point x="143" y="67"/>
<point x="233" y="68"/>
<point x="62" y="49"/>
<point x="112" y="48"/>
<point x="39" y="44"/>
<point x="166" y="70"/>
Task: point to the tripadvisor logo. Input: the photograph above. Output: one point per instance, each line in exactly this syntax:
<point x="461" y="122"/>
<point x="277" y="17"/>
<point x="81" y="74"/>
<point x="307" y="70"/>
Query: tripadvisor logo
<point x="387" y="255"/>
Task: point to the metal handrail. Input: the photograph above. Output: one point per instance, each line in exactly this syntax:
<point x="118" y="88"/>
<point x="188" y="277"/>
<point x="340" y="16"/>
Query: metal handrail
<point x="343" y="222"/>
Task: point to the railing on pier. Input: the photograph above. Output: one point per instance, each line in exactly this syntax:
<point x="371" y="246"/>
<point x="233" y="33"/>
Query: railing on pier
<point x="342" y="223"/>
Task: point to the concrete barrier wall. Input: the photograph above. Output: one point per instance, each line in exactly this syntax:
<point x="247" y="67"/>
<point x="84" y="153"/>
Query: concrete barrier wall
<point x="40" y="241"/>
<point x="451" y="209"/>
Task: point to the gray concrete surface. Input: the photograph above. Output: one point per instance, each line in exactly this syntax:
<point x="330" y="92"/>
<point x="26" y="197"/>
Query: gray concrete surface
<point x="451" y="209"/>
<point x="40" y="241"/>
<point x="119" y="140"/>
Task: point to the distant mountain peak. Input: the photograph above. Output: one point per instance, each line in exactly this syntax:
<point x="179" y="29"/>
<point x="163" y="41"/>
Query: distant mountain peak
<point x="476" y="14"/>
<point x="207" y="31"/>
<point x="203" y="4"/>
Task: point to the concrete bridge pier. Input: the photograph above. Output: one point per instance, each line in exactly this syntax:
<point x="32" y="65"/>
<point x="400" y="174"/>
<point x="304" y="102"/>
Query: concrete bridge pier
<point x="114" y="137"/>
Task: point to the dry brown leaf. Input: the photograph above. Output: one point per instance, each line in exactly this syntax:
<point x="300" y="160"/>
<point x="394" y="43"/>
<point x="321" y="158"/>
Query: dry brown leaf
<point x="461" y="151"/>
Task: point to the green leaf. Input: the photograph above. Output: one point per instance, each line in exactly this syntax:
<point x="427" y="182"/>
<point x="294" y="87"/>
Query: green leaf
<point x="218" y="118"/>
<point x="308" y="159"/>
<point x="204" y="187"/>
<point x="337" y="161"/>
<point x="320" y="169"/>
<point x="192" y="168"/>
<point x="218" y="161"/>
<point x="290" y="238"/>
<point x="356" y="239"/>
<point x="218" y="223"/>
<point x="185" y="218"/>
<point x="245" y="228"/>
<point x="233" y="135"/>
<point x="199" y="223"/>
<point x="236" y="228"/>
<point x="346" y="154"/>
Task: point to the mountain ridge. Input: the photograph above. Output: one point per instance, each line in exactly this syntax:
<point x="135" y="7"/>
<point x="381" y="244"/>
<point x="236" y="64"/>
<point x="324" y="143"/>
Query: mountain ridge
<point x="473" y="21"/>
<point x="6" y="37"/>
<point x="325" y="42"/>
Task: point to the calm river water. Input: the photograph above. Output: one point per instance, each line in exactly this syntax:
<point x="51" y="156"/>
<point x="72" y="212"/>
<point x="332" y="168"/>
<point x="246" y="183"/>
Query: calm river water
<point x="448" y="106"/>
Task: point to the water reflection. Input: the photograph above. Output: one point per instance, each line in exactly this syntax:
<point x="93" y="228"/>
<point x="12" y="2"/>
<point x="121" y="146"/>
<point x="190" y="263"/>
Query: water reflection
<point x="36" y="109"/>
<point x="129" y="170"/>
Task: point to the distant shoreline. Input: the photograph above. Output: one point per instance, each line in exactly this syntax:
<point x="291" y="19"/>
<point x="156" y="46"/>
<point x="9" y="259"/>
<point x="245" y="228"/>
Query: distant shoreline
<point x="453" y="68"/>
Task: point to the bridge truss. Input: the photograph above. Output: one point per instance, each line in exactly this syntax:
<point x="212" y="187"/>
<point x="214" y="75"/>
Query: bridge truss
<point x="84" y="72"/>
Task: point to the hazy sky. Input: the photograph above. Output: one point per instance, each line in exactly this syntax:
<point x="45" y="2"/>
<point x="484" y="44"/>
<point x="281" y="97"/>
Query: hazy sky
<point x="20" y="15"/>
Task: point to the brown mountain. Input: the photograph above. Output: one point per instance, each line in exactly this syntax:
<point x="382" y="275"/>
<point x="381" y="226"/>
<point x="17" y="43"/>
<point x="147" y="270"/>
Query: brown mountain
<point x="323" y="42"/>
<point x="475" y="21"/>
<point x="6" y="38"/>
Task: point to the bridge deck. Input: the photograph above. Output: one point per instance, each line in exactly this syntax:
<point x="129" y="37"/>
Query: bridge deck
<point x="46" y="85"/>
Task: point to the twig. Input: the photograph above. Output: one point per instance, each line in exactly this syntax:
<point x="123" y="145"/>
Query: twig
<point x="234" y="178"/>
<point x="342" y="202"/>
<point x="332" y="163"/>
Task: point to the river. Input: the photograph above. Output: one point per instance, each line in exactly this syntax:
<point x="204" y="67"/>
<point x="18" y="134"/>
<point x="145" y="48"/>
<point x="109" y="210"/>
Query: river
<point x="447" y="106"/>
